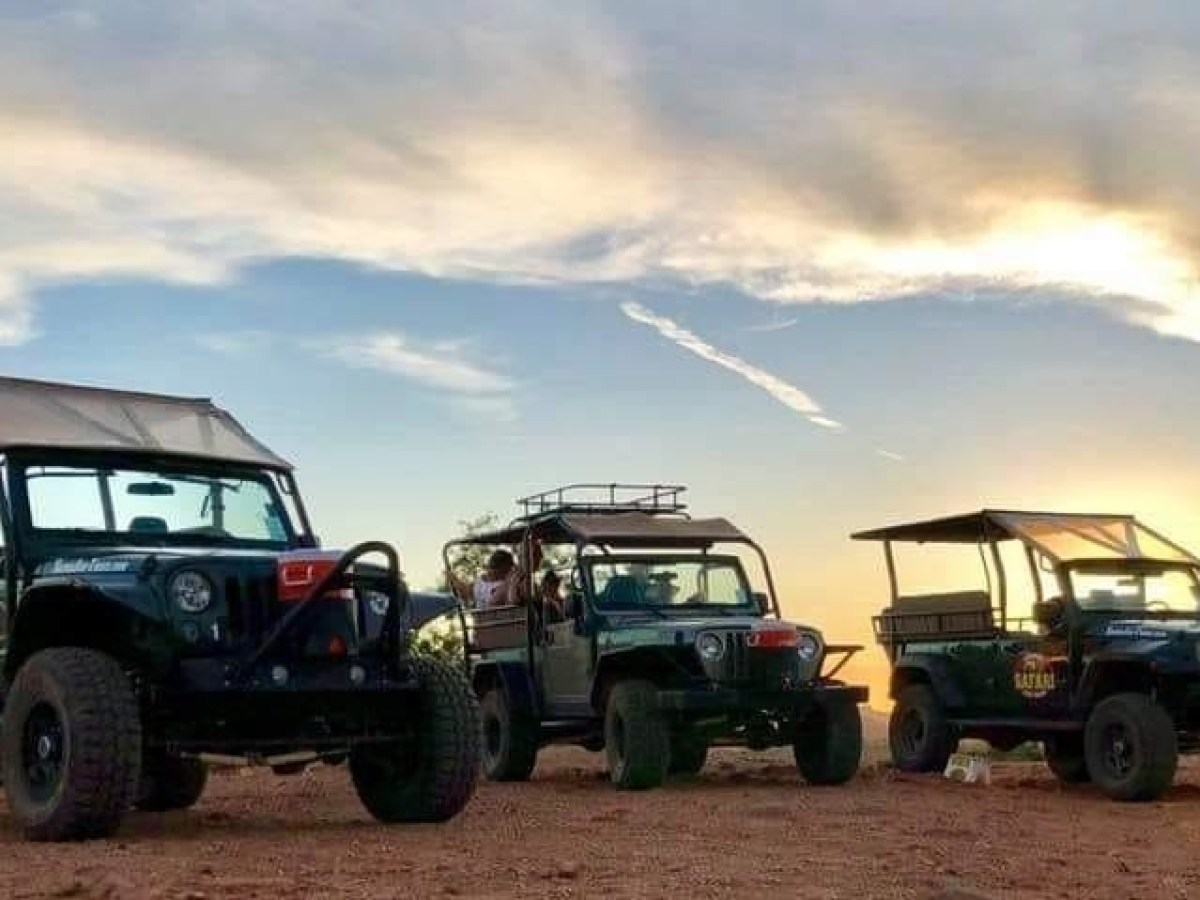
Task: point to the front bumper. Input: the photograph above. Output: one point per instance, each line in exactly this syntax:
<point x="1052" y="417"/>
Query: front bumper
<point x="717" y="700"/>
<point x="346" y="676"/>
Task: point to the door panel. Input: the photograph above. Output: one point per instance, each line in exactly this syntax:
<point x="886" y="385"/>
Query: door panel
<point x="566" y="670"/>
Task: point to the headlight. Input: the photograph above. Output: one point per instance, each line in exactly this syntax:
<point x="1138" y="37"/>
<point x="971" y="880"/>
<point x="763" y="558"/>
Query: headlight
<point x="710" y="646"/>
<point x="191" y="591"/>
<point x="808" y="647"/>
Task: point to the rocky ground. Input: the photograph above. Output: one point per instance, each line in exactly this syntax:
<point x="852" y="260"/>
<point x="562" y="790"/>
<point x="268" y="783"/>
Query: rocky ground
<point x="746" y="825"/>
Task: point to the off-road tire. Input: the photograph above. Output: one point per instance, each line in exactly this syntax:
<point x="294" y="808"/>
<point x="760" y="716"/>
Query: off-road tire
<point x="75" y="708"/>
<point x="828" y="744"/>
<point x="1147" y="769"/>
<point x="431" y="778"/>
<point x="637" y="740"/>
<point x="689" y="752"/>
<point x="1064" y="757"/>
<point x="919" y="736"/>
<point x="510" y="739"/>
<point x="170" y="782"/>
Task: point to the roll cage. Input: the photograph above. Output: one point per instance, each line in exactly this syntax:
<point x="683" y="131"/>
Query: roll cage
<point x="1054" y="543"/>
<point x="606" y="518"/>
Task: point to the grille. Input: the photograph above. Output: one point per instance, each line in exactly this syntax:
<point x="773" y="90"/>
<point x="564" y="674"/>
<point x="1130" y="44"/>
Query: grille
<point x="249" y="600"/>
<point x="737" y="656"/>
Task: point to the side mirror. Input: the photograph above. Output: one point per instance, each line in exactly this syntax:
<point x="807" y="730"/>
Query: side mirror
<point x="762" y="601"/>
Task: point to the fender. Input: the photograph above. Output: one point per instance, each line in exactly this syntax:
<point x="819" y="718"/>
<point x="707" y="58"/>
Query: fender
<point x="514" y="678"/>
<point x="58" y="613"/>
<point x="423" y="608"/>
<point x="653" y="663"/>
<point x="931" y="669"/>
<point x="1122" y="670"/>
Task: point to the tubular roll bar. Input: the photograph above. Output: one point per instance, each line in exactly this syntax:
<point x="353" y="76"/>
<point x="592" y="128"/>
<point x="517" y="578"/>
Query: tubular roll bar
<point x="394" y="588"/>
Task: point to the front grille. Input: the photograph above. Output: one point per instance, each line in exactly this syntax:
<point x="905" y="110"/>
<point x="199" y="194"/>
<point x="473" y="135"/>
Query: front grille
<point x="737" y="656"/>
<point x="250" y="601"/>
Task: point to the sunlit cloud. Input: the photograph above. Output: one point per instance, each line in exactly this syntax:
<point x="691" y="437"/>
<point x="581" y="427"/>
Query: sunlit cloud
<point x="780" y="325"/>
<point x="888" y="454"/>
<point x="787" y="394"/>
<point x="438" y="366"/>
<point x="588" y="142"/>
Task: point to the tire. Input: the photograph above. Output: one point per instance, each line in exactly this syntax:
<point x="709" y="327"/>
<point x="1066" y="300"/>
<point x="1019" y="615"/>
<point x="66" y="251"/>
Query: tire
<point x="510" y="740"/>
<point x="433" y="776"/>
<point x="170" y="782"/>
<point x="689" y="752"/>
<point x="919" y="736"/>
<point x="828" y="744"/>
<point x="637" y="740"/>
<point x="1064" y="757"/>
<point x="71" y="747"/>
<point x="1131" y="747"/>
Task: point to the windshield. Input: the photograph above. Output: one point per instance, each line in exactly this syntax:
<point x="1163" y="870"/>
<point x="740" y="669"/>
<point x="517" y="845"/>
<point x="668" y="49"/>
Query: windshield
<point x="1067" y="537"/>
<point x="145" y="505"/>
<point x="1136" y="590"/>
<point x="628" y="584"/>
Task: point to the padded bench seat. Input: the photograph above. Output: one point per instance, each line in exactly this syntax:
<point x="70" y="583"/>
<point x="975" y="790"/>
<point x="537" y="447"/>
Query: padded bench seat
<point x="499" y="628"/>
<point x="961" y="614"/>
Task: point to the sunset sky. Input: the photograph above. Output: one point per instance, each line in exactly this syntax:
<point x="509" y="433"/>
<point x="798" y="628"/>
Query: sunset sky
<point x="829" y="266"/>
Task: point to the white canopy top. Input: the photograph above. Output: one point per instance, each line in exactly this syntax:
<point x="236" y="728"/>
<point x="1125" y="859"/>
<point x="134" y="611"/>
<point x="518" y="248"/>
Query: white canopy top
<point x="47" y="414"/>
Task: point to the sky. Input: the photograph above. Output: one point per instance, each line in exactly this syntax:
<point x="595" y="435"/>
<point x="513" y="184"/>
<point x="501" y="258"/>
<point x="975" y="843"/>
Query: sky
<point x="830" y="268"/>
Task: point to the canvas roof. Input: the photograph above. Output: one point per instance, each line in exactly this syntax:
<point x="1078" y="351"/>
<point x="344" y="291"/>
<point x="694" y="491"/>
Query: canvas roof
<point x="49" y="414"/>
<point x="629" y="529"/>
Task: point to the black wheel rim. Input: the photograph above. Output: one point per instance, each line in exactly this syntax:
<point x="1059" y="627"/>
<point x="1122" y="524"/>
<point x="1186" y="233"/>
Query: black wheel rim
<point x="912" y="732"/>
<point x="43" y="753"/>
<point x="1120" y="753"/>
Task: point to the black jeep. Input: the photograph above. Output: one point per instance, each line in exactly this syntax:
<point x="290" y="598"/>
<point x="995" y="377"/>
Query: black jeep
<point x="1105" y="670"/>
<point x="658" y="649"/>
<point x="166" y="605"/>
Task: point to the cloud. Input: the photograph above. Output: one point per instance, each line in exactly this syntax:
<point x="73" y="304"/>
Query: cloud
<point x="445" y="366"/>
<point x="787" y="394"/>
<point x="808" y="152"/>
<point x="439" y="367"/>
<point x="781" y="325"/>
<point x="888" y="454"/>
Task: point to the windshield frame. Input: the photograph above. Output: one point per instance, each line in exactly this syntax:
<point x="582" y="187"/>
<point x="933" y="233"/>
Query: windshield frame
<point x="1116" y="567"/>
<point x="37" y="543"/>
<point x="587" y="563"/>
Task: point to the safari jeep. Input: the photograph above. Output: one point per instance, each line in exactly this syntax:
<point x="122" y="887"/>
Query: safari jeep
<point x="661" y="649"/>
<point x="166" y="605"/>
<point x="1105" y="671"/>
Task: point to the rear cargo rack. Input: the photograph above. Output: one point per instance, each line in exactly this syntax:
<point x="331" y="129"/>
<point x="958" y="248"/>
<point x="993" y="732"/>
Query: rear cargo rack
<point x="605" y="498"/>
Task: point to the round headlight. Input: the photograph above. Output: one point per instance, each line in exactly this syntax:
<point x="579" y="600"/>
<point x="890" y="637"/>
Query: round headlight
<point x="191" y="592"/>
<point x="710" y="646"/>
<point x="808" y="647"/>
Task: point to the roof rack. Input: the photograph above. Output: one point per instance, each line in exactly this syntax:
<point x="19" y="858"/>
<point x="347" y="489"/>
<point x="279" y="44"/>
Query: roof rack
<point x="605" y="498"/>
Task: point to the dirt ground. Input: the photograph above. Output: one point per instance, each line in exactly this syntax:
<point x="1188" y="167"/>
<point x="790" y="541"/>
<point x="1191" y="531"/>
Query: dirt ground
<point x="745" y="826"/>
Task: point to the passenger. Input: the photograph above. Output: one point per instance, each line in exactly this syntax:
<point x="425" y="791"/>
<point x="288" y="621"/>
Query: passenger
<point x="552" y="602"/>
<point x="491" y="588"/>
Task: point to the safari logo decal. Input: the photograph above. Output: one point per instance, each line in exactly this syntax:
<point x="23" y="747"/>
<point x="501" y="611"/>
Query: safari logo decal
<point x="1033" y="676"/>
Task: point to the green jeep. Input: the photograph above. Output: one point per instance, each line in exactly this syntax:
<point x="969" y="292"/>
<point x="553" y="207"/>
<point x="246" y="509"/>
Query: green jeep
<point x="659" y="650"/>
<point x="1105" y="672"/>
<point x="166" y="606"/>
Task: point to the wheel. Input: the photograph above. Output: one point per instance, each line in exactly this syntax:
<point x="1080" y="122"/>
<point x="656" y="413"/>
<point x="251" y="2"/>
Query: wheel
<point x="170" y="782"/>
<point x="919" y="736"/>
<point x="689" y="752"/>
<point x="510" y="740"/>
<point x="1131" y="747"/>
<point x="636" y="738"/>
<point x="432" y="776"/>
<point x="828" y="744"/>
<point x="71" y="746"/>
<point x="1064" y="757"/>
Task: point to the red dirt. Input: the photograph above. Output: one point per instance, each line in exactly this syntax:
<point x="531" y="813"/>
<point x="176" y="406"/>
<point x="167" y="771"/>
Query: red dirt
<point x="745" y="825"/>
